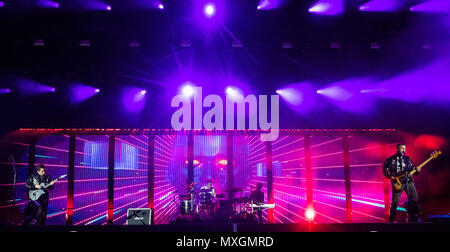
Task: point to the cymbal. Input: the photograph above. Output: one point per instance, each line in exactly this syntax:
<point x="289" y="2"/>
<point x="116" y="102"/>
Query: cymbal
<point x="220" y="196"/>
<point x="236" y="190"/>
<point x="242" y="199"/>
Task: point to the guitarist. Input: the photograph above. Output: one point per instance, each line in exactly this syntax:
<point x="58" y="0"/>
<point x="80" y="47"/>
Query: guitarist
<point x="396" y="166"/>
<point x="39" y="208"/>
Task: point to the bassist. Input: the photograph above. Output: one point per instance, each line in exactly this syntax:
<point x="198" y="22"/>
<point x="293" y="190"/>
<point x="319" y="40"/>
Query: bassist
<point x="38" y="209"/>
<point x="396" y="166"/>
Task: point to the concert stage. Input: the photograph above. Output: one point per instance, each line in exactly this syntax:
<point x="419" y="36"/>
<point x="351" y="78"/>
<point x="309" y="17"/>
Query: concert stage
<point x="326" y="176"/>
<point x="150" y="169"/>
<point x="188" y="112"/>
<point x="245" y="228"/>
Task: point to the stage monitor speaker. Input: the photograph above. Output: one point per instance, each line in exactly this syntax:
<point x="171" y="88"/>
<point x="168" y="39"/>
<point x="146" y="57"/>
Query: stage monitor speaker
<point x="439" y="218"/>
<point x="139" y="216"/>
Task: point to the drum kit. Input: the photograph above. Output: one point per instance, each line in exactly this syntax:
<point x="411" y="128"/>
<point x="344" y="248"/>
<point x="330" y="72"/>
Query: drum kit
<point x="203" y="206"/>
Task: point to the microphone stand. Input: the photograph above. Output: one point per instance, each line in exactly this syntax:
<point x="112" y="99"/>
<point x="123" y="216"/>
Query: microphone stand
<point x="11" y="158"/>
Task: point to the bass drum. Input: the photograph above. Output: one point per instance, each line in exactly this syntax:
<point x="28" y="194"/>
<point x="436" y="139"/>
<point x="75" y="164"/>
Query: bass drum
<point x="205" y="198"/>
<point x="224" y="210"/>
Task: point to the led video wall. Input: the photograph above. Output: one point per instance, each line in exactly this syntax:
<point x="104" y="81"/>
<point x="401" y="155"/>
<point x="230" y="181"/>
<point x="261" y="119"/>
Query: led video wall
<point x="91" y="180"/>
<point x="327" y="159"/>
<point x="170" y="175"/>
<point x="131" y="164"/>
<point x="289" y="179"/>
<point x="52" y="151"/>
<point x="130" y="176"/>
<point x="257" y="163"/>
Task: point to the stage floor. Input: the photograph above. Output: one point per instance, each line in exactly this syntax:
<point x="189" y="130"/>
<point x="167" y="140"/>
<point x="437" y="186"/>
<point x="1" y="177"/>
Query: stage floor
<point x="362" y="227"/>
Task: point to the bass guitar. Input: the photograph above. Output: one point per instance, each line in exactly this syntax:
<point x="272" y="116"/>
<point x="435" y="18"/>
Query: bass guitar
<point x="396" y="181"/>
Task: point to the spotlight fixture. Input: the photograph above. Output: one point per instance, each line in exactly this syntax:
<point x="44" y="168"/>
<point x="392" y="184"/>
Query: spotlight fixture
<point x="85" y="43"/>
<point x="310" y="214"/>
<point x="134" y="43"/>
<point x="38" y="42"/>
<point x="231" y="91"/>
<point x="327" y="7"/>
<point x="375" y="45"/>
<point x="287" y="45"/>
<point x="210" y="10"/>
<point x="188" y="91"/>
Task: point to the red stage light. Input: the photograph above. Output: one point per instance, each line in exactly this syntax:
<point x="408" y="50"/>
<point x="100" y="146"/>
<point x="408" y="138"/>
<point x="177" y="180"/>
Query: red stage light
<point x="430" y="142"/>
<point x="196" y="162"/>
<point x="223" y="162"/>
<point x="310" y="214"/>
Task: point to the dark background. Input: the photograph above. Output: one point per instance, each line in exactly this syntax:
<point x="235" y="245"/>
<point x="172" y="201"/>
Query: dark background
<point x="110" y="64"/>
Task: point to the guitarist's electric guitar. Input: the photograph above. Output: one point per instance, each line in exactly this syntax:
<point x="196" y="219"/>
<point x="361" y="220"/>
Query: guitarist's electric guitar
<point x="396" y="181"/>
<point x="36" y="194"/>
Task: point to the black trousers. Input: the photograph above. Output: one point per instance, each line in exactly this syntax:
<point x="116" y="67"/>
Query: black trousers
<point x="43" y="201"/>
<point x="37" y="210"/>
<point x="411" y="192"/>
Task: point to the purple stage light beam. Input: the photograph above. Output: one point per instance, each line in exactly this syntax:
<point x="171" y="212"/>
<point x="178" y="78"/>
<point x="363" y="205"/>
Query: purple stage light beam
<point x="336" y="93"/>
<point x="30" y="88"/>
<point x="269" y="4"/>
<point x="427" y="84"/>
<point x="435" y="6"/>
<point x="347" y="95"/>
<point x="262" y="5"/>
<point x="382" y="5"/>
<point x="328" y="7"/>
<point x="88" y="5"/>
<point x="81" y="93"/>
<point x="5" y="91"/>
<point x="299" y="97"/>
<point x="48" y="4"/>
<point x="292" y="96"/>
<point x="2" y="4"/>
<point x="134" y="99"/>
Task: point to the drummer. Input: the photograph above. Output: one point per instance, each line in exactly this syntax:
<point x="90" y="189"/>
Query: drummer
<point x="209" y="188"/>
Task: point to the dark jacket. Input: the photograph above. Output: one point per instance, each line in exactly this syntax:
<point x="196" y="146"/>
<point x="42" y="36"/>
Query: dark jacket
<point x="257" y="197"/>
<point x="398" y="165"/>
<point x="37" y="179"/>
